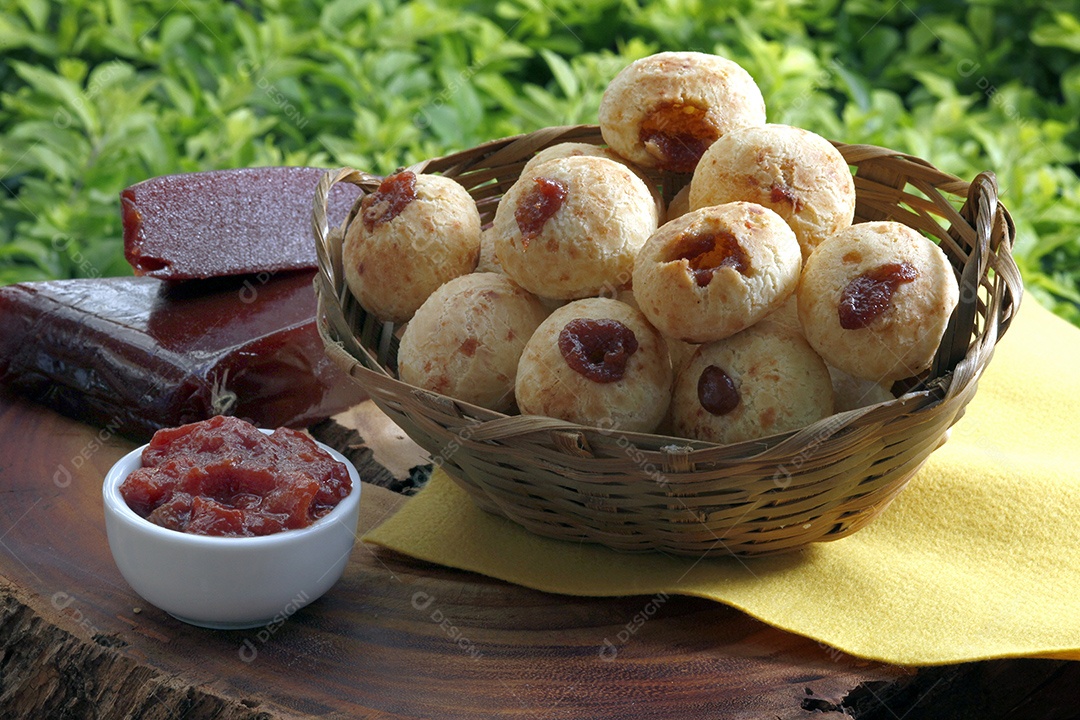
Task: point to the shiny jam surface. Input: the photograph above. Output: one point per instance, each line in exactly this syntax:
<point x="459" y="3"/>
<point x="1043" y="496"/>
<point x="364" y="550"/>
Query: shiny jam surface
<point x="223" y="477"/>
<point x="597" y="349"/>
<point x="393" y="196"/>
<point x="868" y="296"/>
<point x="708" y="252"/>
<point x="537" y="206"/>
<point x="716" y="391"/>
<point x="677" y="134"/>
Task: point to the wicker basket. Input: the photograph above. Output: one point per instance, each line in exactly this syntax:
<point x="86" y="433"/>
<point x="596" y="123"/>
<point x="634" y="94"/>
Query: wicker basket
<point x="638" y="492"/>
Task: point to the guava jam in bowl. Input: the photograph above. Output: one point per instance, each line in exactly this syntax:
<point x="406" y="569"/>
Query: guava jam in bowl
<point x="226" y="526"/>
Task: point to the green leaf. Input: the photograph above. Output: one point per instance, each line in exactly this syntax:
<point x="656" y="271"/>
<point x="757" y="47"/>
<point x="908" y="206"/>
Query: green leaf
<point x="564" y="75"/>
<point x="1070" y="87"/>
<point x="1063" y="32"/>
<point x="339" y="14"/>
<point x="880" y="45"/>
<point x="120" y="15"/>
<point x="71" y="98"/>
<point x="25" y="251"/>
<point x="37" y="12"/>
<point x="980" y="19"/>
<point x="73" y="69"/>
<point x="175" y="30"/>
<point x="957" y="39"/>
<point x="14" y="35"/>
<point x="857" y="86"/>
<point x="940" y="87"/>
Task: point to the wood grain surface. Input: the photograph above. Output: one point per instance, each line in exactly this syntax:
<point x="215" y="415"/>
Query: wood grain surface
<point x="395" y="638"/>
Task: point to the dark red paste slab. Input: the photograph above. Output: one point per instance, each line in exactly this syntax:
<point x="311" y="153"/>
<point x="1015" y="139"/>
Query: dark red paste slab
<point x="226" y="222"/>
<point x="133" y="355"/>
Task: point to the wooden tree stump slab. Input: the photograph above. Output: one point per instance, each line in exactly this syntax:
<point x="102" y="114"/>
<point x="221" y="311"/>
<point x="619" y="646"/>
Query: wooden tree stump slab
<point x="396" y="638"/>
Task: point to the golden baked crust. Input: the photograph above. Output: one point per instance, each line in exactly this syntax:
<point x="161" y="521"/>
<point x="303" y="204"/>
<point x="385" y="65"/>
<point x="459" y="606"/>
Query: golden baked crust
<point x="680" y="204"/>
<point x="548" y="385"/>
<point x="588" y="245"/>
<point x="901" y="342"/>
<point x="791" y="171"/>
<point x="488" y="262"/>
<point x="393" y="268"/>
<point x="687" y="99"/>
<point x="565" y="150"/>
<point x="781" y="384"/>
<point x="685" y="304"/>
<point x="679" y="351"/>
<point x="466" y="339"/>
<point x="786" y="317"/>
<point x="579" y="149"/>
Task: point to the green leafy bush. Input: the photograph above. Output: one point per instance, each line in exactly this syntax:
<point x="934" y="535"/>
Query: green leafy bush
<point x="98" y="94"/>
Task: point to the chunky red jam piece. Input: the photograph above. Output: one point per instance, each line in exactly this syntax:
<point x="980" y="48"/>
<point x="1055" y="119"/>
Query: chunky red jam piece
<point x="868" y="296"/>
<point x="677" y="135"/>
<point x="223" y="477"/>
<point x="708" y="252"/>
<point x="537" y="205"/>
<point x="716" y="391"/>
<point x="597" y="349"/>
<point x="780" y="193"/>
<point x="393" y="196"/>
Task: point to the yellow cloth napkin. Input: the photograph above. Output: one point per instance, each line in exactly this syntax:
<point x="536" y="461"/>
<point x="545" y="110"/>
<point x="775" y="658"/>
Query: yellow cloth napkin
<point x="978" y="558"/>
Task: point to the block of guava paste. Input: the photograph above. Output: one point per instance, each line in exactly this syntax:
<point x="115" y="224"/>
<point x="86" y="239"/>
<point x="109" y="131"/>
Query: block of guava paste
<point x="226" y="222"/>
<point x="138" y="354"/>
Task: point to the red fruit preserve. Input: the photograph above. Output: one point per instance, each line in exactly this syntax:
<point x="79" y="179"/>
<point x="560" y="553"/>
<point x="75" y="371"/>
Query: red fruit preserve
<point x="538" y="205"/>
<point x="224" y="477"/>
<point x="597" y="349"/>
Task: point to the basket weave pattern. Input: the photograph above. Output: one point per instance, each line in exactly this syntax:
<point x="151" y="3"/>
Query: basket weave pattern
<point x="638" y="492"/>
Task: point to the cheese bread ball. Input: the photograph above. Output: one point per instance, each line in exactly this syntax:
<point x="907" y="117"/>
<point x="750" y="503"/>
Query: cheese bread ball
<point x="578" y="149"/>
<point x="574" y="227"/>
<point x="786" y="317"/>
<point x="679" y="205"/>
<point x="664" y="110"/>
<point x="466" y="339"/>
<point x="565" y="150"/>
<point x="792" y="171"/>
<point x="411" y="235"/>
<point x="759" y="382"/>
<point x="596" y="362"/>
<point x="678" y="351"/>
<point x="551" y="304"/>
<point x="488" y="261"/>
<point x="874" y="300"/>
<point x="716" y="271"/>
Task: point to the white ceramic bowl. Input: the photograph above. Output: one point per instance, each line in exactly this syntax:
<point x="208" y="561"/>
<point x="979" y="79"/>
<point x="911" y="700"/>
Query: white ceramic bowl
<point x="228" y="582"/>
